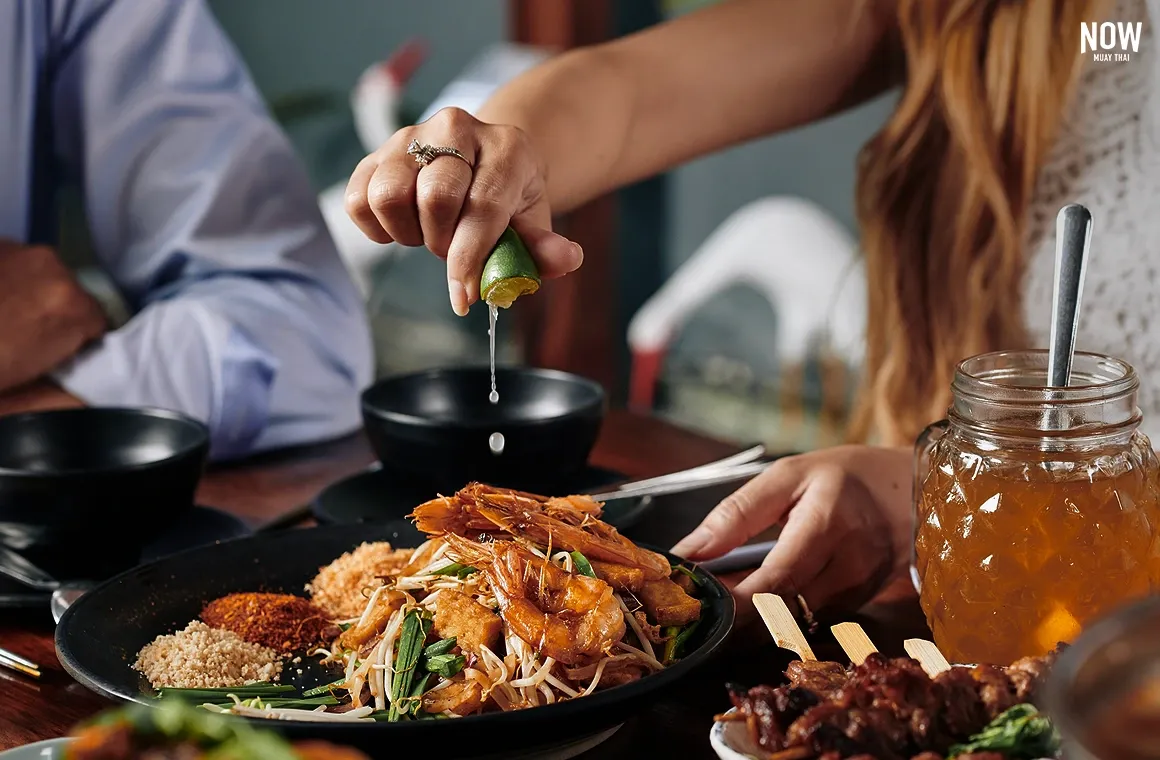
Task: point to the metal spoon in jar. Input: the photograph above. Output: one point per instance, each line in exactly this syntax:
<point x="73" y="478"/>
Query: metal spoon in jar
<point x="1073" y="237"/>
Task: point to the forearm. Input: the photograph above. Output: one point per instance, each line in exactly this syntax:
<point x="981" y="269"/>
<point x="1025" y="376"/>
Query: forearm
<point x="605" y="116"/>
<point x="576" y="112"/>
<point x="36" y="396"/>
<point x="263" y="364"/>
<point x="46" y="315"/>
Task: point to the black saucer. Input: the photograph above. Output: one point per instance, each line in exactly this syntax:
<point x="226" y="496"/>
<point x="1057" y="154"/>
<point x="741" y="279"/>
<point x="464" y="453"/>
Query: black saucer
<point x="380" y="495"/>
<point x="198" y="527"/>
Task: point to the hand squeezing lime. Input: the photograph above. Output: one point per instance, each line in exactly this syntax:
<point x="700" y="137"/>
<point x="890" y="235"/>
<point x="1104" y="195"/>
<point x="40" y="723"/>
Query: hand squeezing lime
<point x="509" y="272"/>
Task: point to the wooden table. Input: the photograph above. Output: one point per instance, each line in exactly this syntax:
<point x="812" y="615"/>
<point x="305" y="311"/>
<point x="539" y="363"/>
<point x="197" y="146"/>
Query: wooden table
<point x="264" y="488"/>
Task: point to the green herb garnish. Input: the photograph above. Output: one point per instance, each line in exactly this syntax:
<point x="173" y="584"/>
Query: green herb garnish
<point x="582" y="565"/>
<point x="686" y="571"/>
<point x="678" y="639"/>
<point x="446" y="665"/>
<point x="406" y="658"/>
<point x="1020" y="733"/>
<point x="416" y="697"/>
<point x="442" y="646"/>
<point x="456" y="569"/>
<point x="324" y="689"/>
<point x="670" y="633"/>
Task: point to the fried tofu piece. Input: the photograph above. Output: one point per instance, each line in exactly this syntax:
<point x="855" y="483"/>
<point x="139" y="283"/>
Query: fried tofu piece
<point x="473" y="625"/>
<point x="360" y="633"/>
<point x="620" y="577"/>
<point x="461" y="698"/>
<point x="667" y="603"/>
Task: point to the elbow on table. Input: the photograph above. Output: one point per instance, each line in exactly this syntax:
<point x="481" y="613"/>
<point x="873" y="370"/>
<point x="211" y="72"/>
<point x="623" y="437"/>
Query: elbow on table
<point x="258" y="377"/>
<point x="301" y="394"/>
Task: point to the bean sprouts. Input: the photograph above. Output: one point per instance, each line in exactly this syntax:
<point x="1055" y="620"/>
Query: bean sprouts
<point x="489" y="665"/>
<point x="536" y="678"/>
<point x="629" y="618"/>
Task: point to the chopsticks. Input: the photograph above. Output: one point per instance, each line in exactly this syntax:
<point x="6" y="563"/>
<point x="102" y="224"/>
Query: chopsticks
<point x="13" y="661"/>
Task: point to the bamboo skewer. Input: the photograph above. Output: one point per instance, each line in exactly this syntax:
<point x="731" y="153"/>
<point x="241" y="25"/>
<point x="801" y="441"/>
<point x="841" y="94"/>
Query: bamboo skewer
<point x="855" y="643"/>
<point x="782" y="625"/>
<point x="853" y="639"/>
<point x="928" y="656"/>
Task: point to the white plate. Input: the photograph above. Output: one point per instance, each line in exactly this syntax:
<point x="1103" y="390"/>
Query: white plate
<point x="731" y="740"/>
<point x="51" y="749"/>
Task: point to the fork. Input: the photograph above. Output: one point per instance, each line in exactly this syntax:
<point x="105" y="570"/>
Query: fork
<point x="736" y="467"/>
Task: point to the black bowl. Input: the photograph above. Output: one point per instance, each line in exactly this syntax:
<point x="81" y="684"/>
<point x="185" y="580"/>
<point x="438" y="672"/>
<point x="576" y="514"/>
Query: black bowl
<point x="436" y="424"/>
<point x="100" y="634"/>
<point x="83" y="490"/>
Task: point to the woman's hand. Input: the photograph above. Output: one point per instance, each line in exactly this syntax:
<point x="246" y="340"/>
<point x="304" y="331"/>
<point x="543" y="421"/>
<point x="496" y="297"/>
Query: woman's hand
<point x="458" y="209"/>
<point x="847" y="525"/>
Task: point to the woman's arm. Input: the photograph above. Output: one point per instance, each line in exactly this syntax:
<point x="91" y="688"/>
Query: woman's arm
<point x="608" y="115"/>
<point x="595" y="119"/>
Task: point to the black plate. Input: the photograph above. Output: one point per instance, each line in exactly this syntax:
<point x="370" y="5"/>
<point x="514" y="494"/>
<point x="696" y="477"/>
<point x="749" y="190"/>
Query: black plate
<point x="196" y="527"/>
<point x="100" y="634"/>
<point x="378" y="495"/>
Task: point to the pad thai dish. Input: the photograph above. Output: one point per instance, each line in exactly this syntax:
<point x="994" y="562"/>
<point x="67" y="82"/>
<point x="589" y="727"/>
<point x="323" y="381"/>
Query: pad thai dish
<point x="514" y="601"/>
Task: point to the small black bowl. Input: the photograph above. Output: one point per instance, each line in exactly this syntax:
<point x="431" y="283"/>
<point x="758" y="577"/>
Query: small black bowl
<point x="83" y="490"/>
<point x="436" y="424"/>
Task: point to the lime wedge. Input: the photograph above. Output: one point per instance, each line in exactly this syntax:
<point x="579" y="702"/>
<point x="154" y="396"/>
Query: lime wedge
<point x="509" y="272"/>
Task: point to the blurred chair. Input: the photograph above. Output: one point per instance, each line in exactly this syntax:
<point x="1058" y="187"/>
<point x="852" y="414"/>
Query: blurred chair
<point x="789" y="250"/>
<point x="375" y="105"/>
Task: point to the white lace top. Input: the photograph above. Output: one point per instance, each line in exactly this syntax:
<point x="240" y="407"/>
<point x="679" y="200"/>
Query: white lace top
<point x="1108" y="158"/>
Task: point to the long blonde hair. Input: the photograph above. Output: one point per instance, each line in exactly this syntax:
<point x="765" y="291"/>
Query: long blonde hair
<point x="943" y="191"/>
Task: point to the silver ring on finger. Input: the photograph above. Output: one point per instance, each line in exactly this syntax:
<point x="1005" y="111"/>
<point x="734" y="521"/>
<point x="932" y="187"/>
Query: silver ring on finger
<point x="425" y="154"/>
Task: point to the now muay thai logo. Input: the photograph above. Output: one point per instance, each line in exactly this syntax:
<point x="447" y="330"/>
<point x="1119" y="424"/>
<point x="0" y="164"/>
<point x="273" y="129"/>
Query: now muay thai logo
<point x="1110" y="41"/>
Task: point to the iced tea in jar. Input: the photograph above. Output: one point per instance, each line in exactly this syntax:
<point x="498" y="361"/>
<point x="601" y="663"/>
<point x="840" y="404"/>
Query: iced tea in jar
<point x="1036" y="509"/>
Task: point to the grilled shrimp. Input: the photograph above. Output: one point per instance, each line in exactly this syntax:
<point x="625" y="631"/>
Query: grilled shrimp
<point x="569" y="617"/>
<point x="570" y="523"/>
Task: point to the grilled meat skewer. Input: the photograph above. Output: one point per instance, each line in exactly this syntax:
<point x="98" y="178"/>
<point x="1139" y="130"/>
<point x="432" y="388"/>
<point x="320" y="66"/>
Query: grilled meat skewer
<point x="884" y="708"/>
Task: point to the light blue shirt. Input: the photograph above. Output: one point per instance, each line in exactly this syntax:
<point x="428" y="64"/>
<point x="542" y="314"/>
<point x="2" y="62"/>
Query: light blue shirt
<point x="244" y="315"/>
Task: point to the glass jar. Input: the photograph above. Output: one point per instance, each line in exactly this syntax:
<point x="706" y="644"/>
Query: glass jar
<point x="1036" y="508"/>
